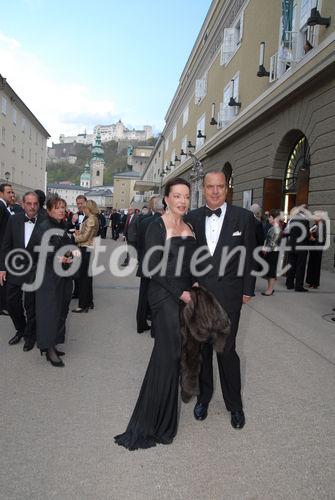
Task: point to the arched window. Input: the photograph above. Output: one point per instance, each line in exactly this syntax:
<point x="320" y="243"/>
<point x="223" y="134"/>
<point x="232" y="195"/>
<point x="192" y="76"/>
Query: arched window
<point x="98" y="173"/>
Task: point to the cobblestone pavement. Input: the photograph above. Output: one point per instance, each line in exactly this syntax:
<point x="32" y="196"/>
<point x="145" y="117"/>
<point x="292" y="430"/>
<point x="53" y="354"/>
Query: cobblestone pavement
<point x="57" y="425"/>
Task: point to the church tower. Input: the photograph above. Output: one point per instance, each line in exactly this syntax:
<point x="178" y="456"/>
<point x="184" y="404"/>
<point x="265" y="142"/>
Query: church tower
<point x="97" y="163"/>
<point x="85" y="178"/>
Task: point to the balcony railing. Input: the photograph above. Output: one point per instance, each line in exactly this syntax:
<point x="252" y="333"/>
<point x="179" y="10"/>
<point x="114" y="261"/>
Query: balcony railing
<point x="286" y="57"/>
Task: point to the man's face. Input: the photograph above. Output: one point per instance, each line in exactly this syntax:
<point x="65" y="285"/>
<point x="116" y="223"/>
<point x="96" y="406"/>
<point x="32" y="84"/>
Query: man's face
<point x="215" y="190"/>
<point x="80" y="204"/>
<point x="30" y="205"/>
<point x="7" y="194"/>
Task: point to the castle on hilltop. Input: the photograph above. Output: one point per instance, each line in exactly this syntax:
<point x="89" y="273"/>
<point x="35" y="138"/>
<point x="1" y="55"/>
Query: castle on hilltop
<point x="114" y="132"/>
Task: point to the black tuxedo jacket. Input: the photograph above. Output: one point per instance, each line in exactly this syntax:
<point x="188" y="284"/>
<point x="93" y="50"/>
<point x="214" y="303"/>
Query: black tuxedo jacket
<point x="238" y="230"/>
<point x="4" y="216"/>
<point x="14" y="239"/>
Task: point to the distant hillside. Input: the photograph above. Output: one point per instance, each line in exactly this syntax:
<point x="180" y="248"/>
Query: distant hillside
<point x="116" y="161"/>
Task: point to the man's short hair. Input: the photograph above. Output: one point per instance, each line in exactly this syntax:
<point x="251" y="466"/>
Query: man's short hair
<point x="81" y="197"/>
<point x="28" y="193"/>
<point x="3" y="186"/>
<point x="214" y="171"/>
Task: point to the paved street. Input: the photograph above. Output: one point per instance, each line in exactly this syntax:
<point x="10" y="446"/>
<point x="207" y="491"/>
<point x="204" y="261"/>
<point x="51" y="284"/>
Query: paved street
<point x="57" y="425"/>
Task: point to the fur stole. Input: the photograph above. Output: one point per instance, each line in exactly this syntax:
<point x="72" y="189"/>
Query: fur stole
<point x="202" y="320"/>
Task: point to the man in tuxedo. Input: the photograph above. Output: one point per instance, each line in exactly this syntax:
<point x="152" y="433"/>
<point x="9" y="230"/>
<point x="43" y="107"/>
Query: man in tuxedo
<point x="19" y="235"/>
<point x="298" y="236"/>
<point x="6" y="197"/>
<point x="74" y="224"/>
<point x="225" y="234"/>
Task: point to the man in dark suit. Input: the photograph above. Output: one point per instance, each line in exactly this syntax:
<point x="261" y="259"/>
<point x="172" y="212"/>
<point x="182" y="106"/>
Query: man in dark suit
<point x="129" y="232"/>
<point x="115" y="219"/>
<point x="19" y="236"/>
<point x="6" y="197"/>
<point x="143" y="221"/>
<point x="298" y="235"/>
<point x="220" y="229"/>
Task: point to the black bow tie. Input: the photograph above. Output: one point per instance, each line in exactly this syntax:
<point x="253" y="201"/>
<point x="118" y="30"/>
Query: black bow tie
<point x="32" y="220"/>
<point x="210" y="212"/>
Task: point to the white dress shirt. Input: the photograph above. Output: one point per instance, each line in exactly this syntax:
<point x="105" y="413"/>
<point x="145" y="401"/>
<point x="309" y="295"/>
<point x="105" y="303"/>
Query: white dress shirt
<point x="213" y="228"/>
<point x="28" y="229"/>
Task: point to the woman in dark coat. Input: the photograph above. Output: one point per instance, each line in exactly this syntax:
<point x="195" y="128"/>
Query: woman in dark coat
<point x="271" y="250"/>
<point x="54" y="295"/>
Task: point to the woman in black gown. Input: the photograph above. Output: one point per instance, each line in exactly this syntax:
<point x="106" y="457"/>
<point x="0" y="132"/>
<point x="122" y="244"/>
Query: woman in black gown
<point x="154" y="419"/>
<point x="54" y="295"/>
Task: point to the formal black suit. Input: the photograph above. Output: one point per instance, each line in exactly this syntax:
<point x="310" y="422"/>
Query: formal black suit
<point x="298" y="239"/>
<point x="21" y="306"/>
<point x="143" y="309"/>
<point x="4" y="216"/>
<point x="238" y="229"/>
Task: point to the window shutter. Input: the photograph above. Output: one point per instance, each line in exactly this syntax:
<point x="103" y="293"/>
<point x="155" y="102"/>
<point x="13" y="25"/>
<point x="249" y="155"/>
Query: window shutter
<point x="241" y="27"/>
<point x="228" y="45"/>
<point x="305" y="10"/>
<point x="198" y="91"/>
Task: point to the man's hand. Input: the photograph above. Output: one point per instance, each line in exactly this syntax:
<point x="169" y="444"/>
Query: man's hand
<point x="3" y="275"/>
<point x="185" y="297"/>
<point x="246" y="299"/>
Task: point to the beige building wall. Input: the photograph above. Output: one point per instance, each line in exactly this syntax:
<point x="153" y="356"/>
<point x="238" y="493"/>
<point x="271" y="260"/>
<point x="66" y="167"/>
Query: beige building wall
<point x="257" y="138"/>
<point x="23" y="143"/>
<point x="123" y="192"/>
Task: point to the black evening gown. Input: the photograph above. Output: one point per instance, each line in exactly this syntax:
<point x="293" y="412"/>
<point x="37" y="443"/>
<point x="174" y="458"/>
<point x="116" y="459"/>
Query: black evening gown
<point x="154" y="419"/>
<point x="54" y="295"/>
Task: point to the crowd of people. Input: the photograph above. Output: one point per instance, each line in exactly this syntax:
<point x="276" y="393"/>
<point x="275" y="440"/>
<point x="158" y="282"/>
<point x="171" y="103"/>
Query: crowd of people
<point x="178" y="251"/>
<point x="34" y="291"/>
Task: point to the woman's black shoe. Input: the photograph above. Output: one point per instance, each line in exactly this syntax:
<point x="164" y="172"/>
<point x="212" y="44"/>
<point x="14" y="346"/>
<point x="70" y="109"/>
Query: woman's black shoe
<point x="80" y="310"/>
<point x="59" y="353"/>
<point x="53" y="362"/>
<point x="92" y="305"/>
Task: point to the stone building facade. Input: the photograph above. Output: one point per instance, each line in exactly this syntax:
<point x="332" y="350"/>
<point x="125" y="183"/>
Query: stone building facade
<point x="257" y="99"/>
<point x="23" y="143"/>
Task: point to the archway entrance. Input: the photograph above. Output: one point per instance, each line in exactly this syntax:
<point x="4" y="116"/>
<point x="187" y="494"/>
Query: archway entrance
<point x="288" y="186"/>
<point x="228" y="171"/>
<point x="296" y="179"/>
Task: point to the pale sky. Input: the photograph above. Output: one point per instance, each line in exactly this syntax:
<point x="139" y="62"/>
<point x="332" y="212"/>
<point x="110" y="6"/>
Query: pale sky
<point x="76" y="65"/>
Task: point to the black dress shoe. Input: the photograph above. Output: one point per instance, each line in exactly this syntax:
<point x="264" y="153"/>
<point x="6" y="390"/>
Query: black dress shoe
<point x="237" y="419"/>
<point x="3" y="313"/>
<point x="28" y="345"/>
<point x="16" y="339"/>
<point x="80" y="310"/>
<point x="146" y="328"/>
<point x="301" y="289"/>
<point x="290" y="287"/>
<point x="200" y="411"/>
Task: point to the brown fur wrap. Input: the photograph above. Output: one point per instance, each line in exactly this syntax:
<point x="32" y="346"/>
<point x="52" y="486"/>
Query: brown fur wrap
<point x="202" y="320"/>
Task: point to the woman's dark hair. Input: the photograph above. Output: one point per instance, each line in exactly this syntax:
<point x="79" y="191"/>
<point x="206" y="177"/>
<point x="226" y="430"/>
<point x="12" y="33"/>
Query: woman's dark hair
<point x="54" y="201"/>
<point x="174" y="182"/>
<point x="274" y="212"/>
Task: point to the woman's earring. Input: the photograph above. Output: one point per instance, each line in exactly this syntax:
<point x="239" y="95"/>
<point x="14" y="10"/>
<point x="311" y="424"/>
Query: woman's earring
<point x="167" y="209"/>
